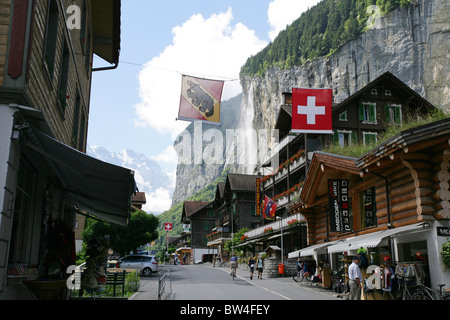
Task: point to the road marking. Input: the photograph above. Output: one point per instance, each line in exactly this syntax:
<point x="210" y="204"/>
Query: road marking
<point x="252" y="283"/>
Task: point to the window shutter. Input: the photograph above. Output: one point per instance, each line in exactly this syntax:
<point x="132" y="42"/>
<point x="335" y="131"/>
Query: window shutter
<point x="361" y="112"/>
<point x="335" y="138"/>
<point x="354" y="136"/>
<point x="372" y="113"/>
<point x="387" y="112"/>
<point x="398" y="111"/>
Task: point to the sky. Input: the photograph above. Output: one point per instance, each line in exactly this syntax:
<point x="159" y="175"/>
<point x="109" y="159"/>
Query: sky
<point x="135" y="106"/>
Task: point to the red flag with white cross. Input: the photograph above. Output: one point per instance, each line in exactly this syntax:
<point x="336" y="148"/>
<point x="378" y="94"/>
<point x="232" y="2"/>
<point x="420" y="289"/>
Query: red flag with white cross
<point x="312" y="110"/>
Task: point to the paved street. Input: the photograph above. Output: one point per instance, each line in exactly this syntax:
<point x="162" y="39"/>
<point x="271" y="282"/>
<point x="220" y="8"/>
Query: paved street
<point x="203" y="282"/>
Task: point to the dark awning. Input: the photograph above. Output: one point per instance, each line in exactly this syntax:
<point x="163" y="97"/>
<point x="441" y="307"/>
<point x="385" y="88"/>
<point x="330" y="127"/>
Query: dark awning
<point x="96" y="187"/>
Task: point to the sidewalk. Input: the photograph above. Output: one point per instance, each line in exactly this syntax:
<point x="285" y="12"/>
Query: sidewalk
<point x="149" y="287"/>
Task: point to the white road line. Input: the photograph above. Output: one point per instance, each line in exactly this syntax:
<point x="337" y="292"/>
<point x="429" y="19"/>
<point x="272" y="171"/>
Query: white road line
<point x="252" y="283"/>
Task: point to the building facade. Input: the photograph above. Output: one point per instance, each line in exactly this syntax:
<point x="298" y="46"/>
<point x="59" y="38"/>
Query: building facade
<point x="395" y="208"/>
<point x="46" y="65"/>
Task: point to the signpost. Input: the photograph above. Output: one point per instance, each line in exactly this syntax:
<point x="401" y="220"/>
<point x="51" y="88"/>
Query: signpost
<point x="167" y="227"/>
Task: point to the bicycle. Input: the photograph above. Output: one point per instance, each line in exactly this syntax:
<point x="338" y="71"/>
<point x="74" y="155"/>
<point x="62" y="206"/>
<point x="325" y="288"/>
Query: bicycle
<point x="233" y="270"/>
<point x="301" y="276"/>
<point x="426" y="293"/>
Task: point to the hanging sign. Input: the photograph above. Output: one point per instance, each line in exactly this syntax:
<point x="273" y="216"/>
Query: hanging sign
<point x="339" y="205"/>
<point x="258" y="196"/>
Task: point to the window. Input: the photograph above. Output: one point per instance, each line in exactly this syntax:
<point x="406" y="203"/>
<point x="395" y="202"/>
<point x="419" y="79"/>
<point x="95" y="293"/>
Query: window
<point x="343" y="116"/>
<point x="76" y="121"/>
<point x="51" y="34"/>
<point x="345" y="138"/>
<point x="368" y="208"/>
<point x="369" y="138"/>
<point x="22" y="229"/>
<point x="387" y="92"/>
<point x="368" y="112"/>
<point x="82" y="135"/>
<point x="83" y="26"/>
<point x="374" y="91"/>
<point x="88" y="55"/>
<point x="64" y="78"/>
<point x="393" y="114"/>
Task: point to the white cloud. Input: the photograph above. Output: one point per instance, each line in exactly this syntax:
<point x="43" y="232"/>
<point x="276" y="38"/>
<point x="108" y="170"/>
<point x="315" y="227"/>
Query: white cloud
<point x="207" y="47"/>
<point x="167" y="156"/>
<point x="283" y="12"/>
<point x="158" y="201"/>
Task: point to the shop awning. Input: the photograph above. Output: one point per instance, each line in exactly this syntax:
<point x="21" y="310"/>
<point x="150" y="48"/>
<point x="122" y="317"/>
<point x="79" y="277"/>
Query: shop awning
<point x="95" y="187"/>
<point x="375" y="239"/>
<point x="380" y="238"/>
<point x="309" y="251"/>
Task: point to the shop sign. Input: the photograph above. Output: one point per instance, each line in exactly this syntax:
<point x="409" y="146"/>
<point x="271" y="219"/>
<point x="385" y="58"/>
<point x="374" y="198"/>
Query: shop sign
<point x="258" y="196"/>
<point x="443" y="231"/>
<point x="339" y="205"/>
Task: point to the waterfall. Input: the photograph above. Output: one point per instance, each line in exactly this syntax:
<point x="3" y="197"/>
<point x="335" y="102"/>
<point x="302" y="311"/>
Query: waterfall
<point x="248" y="148"/>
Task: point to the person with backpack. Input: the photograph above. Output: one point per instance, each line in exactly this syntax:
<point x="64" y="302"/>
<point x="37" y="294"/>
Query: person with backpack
<point x="251" y="265"/>
<point x="260" y="267"/>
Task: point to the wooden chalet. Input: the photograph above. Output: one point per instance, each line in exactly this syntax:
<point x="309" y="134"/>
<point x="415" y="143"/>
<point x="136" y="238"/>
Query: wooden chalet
<point x="396" y="202"/>
<point x="359" y="119"/>
<point x="201" y="218"/>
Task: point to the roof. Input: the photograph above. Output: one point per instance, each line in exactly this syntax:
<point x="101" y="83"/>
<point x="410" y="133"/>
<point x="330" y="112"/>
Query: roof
<point x="387" y="76"/>
<point x="241" y="182"/>
<point x="410" y="140"/>
<point x="220" y="190"/>
<point x="138" y="198"/>
<point x="106" y="21"/>
<point x="421" y="137"/>
<point x="191" y="207"/>
<point x="316" y="172"/>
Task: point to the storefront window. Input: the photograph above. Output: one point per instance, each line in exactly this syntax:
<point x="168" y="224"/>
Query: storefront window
<point x="368" y="208"/>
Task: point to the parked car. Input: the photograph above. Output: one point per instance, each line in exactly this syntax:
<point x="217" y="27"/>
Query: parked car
<point x="146" y="264"/>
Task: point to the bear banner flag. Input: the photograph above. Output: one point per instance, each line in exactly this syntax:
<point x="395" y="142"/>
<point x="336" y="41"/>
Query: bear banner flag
<point x="200" y="100"/>
<point x="269" y="208"/>
<point x="312" y="111"/>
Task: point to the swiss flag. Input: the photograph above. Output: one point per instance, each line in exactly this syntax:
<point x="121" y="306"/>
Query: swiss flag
<point x="312" y="110"/>
<point x="168" y="226"/>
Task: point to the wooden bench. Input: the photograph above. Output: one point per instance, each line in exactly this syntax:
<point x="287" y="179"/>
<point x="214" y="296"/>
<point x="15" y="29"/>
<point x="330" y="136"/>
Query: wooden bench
<point x="116" y="279"/>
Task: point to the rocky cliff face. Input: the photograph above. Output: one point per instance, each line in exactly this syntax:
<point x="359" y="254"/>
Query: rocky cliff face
<point x="412" y="43"/>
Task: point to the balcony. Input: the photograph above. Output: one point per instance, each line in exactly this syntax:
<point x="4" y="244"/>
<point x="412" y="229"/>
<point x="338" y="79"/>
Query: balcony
<point x="217" y="236"/>
<point x="295" y="162"/>
<point x="288" y="222"/>
<point x="293" y="193"/>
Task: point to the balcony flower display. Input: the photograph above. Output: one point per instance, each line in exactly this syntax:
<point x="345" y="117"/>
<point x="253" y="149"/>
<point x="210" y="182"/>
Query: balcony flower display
<point x="244" y="238"/>
<point x="295" y="188"/>
<point x="268" y="230"/>
<point x="295" y="157"/>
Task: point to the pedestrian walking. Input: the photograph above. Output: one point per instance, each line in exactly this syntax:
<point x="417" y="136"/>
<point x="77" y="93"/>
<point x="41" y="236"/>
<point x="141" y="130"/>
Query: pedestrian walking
<point x="251" y="265"/>
<point x="355" y="279"/>
<point x="260" y="267"/>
